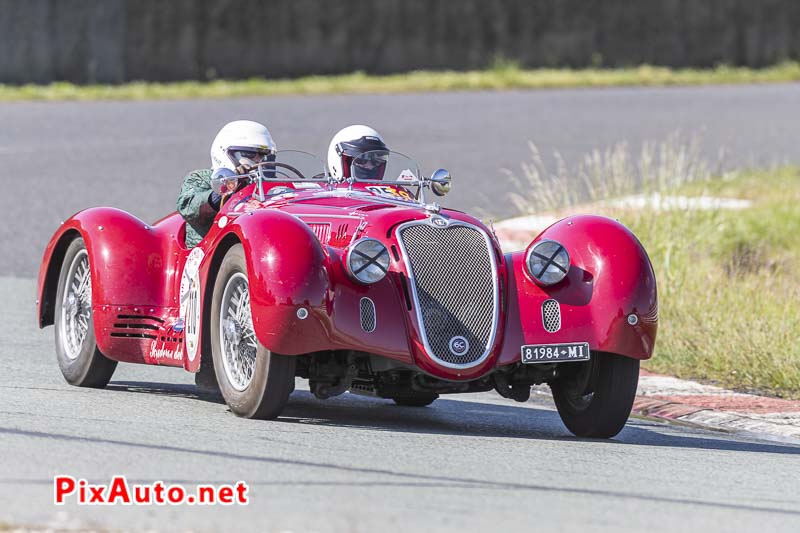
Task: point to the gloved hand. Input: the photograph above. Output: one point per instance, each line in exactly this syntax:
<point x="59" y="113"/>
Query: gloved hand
<point x="215" y="200"/>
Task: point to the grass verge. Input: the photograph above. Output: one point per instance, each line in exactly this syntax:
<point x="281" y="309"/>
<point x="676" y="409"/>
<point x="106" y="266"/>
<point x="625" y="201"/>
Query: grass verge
<point x="729" y="284"/>
<point x="502" y="76"/>
<point x="728" y="279"/>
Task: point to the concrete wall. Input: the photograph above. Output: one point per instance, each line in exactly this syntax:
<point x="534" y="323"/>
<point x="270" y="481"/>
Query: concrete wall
<point x="117" y="40"/>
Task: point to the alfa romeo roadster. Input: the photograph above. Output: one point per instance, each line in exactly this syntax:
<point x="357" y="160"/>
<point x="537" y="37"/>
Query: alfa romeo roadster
<point x="358" y="285"/>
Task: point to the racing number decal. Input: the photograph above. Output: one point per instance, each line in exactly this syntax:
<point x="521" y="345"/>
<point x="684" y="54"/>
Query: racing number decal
<point x="387" y="190"/>
<point x="190" y="301"/>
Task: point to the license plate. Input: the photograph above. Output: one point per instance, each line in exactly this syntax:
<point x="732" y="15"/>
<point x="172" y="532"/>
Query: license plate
<point x="555" y="353"/>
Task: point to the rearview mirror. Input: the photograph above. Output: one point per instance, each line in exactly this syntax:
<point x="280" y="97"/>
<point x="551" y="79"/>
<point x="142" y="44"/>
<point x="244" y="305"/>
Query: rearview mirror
<point x="224" y="181"/>
<point x="440" y="182"/>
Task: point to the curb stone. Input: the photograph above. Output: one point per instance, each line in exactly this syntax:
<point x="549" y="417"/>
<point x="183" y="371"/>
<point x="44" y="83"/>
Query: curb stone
<point x="672" y="399"/>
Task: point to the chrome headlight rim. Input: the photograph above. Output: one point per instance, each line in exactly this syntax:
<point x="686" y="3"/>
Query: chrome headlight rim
<point x="563" y="266"/>
<point x="373" y="260"/>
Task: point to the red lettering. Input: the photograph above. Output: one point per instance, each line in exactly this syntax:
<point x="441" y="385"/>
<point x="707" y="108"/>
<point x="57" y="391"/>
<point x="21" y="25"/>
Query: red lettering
<point x="225" y="495"/>
<point x="241" y="493"/>
<point x="205" y="494"/>
<point x="175" y="494"/>
<point x="97" y="494"/>
<point x="119" y="490"/>
<point x="63" y="486"/>
<point x="158" y="490"/>
<point x="141" y="494"/>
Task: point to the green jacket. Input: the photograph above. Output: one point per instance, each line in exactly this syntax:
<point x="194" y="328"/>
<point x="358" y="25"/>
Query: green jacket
<point x="194" y="207"/>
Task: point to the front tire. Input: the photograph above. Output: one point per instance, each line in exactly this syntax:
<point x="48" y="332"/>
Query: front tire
<point x="595" y="399"/>
<point x="254" y="382"/>
<point x="80" y="360"/>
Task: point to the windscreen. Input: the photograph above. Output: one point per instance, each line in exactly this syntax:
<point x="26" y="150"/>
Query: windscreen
<point x="293" y="165"/>
<point x="386" y="166"/>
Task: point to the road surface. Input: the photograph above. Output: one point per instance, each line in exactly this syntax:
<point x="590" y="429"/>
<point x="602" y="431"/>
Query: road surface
<point x="354" y="464"/>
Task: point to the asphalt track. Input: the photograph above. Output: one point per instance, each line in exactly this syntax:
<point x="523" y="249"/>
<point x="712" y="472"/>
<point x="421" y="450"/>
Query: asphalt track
<point x="351" y="463"/>
<point x="355" y="464"/>
<point x="58" y="158"/>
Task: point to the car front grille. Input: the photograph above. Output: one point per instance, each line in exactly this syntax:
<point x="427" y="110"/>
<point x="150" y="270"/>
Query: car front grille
<point x="454" y="285"/>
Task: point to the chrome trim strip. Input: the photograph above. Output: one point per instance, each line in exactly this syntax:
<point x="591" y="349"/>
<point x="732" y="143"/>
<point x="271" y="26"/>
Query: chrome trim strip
<point x="301" y="216"/>
<point x="413" y="284"/>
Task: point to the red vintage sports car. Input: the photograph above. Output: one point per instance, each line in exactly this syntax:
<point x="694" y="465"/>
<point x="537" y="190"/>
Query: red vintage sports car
<point x="356" y="285"/>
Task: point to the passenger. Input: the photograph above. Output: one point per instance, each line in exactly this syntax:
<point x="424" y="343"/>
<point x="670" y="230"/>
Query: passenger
<point x="350" y="143"/>
<point x="239" y="146"/>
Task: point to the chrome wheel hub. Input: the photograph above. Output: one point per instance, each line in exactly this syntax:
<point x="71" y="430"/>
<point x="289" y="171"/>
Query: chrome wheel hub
<point x="237" y="337"/>
<point x="72" y="304"/>
<point x="233" y="331"/>
<point x="76" y="306"/>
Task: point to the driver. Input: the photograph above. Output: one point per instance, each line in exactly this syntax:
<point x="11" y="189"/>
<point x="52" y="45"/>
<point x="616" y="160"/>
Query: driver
<point x="350" y="143"/>
<point x="239" y="146"/>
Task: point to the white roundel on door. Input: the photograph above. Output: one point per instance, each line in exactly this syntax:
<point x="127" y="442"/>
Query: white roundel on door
<point x="190" y="302"/>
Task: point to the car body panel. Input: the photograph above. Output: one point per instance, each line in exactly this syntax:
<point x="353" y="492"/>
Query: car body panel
<point x="610" y="277"/>
<point x="303" y="300"/>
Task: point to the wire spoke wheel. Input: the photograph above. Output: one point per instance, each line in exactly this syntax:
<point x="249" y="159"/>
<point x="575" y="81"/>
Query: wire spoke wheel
<point x="237" y="338"/>
<point x="254" y="382"/>
<point x="81" y="362"/>
<point x="76" y="306"/>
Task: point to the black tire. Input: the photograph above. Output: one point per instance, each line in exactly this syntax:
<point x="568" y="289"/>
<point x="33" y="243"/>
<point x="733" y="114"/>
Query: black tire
<point x="86" y="367"/>
<point x="205" y="379"/>
<point x="416" y="401"/>
<point x="267" y="391"/>
<point x="595" y="399"/>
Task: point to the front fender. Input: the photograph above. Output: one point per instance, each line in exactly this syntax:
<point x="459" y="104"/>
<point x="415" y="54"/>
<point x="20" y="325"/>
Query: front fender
<point x="288" y="270"/>
<point x="610" y="278"/>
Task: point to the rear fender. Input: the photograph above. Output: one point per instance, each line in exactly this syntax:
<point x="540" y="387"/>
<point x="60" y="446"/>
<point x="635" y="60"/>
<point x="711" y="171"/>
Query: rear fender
<point x="610" y="278"/>
<point x="125" y="255"/>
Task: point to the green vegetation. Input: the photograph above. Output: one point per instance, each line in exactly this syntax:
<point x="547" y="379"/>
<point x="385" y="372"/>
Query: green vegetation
<point x="503" y="75"/>
<point x="729" y="284"/>
<point x="728" y="279"/>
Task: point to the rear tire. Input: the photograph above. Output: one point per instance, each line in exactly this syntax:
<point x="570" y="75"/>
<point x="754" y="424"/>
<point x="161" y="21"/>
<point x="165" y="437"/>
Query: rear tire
<point x="79" y="359"/>
<point x="254" y="382"/>
<point x="595" y="400"/>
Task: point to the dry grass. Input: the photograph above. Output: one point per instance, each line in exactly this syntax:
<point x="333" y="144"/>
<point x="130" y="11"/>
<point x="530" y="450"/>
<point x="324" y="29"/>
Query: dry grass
<point x="729" y="280"/>
<point x="503" y="75"/>
<point x="606" y="174"/>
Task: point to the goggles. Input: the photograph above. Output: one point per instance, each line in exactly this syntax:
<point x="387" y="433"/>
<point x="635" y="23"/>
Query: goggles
<point x="256" y="156"/>
<point x="369" y="165"/>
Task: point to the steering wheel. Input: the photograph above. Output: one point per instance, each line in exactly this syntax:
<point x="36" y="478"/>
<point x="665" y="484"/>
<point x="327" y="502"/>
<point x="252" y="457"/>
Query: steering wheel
<point x="273" y="167"/>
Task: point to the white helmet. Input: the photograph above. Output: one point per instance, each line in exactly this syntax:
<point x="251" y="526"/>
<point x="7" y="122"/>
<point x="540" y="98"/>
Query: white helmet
<point x="241" y="139"/>
<point x="349" y="143"/>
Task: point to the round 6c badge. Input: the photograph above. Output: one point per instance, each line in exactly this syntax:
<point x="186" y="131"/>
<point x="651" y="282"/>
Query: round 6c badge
<point x="458" y="345"/>
<point x="190" y="301"/>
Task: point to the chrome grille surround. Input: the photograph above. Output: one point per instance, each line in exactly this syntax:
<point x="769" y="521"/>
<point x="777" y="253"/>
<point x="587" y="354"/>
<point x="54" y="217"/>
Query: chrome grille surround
<point x="367" y="313"/>
<point x="453" y="272"/>
<point x="551" y="316"/>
